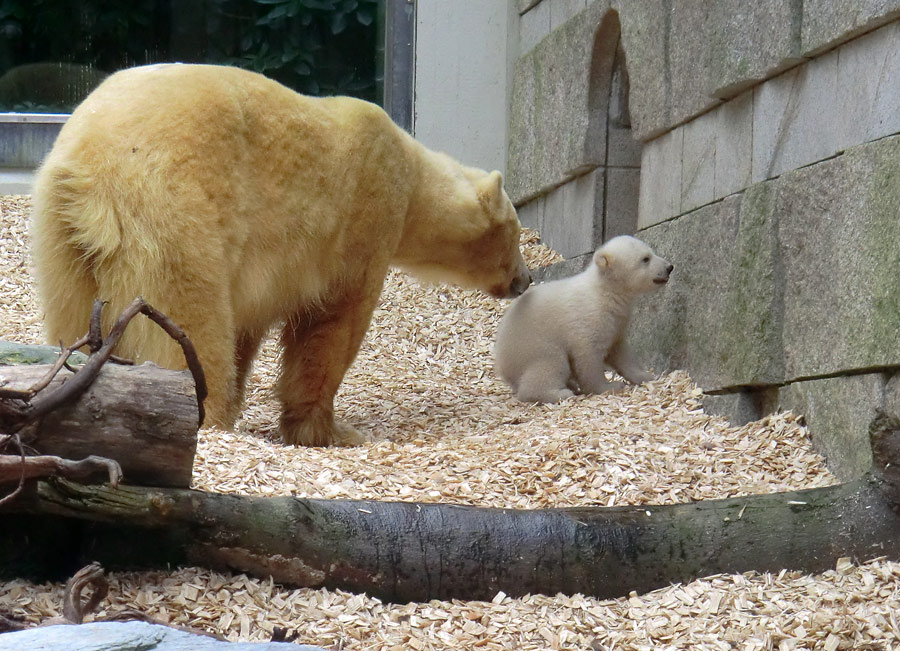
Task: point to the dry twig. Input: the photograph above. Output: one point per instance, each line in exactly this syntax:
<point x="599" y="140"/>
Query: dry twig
<point x="20" y="408"/>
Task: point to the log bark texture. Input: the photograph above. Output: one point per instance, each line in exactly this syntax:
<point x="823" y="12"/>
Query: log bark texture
<point x="144" y="417"/>
<point x="416" y="552"/>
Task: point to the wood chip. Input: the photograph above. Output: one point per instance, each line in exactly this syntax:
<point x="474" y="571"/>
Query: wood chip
<point x="444" y="429"/>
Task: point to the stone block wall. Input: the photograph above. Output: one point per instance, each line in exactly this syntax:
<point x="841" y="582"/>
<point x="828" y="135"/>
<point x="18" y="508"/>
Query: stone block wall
<point x="769" y="144"/>
<point x="574" y="167"/>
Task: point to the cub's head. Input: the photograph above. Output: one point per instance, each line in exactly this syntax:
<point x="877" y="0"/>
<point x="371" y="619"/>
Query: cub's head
<point x="631" y="265"/>
<point x="463" y="229"/>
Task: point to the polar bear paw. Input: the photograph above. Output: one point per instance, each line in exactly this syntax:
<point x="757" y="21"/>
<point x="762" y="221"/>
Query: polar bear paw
<point x="321" y="431"/>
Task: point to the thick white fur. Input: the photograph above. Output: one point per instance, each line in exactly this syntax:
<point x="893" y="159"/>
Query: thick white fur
<point x="560" y="337"/>
<point x="233" y="204"/>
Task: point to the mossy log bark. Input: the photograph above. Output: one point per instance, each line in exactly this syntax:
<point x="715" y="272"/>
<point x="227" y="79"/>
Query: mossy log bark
<point x="145" y="417"/>
<point x="417" y="552"/>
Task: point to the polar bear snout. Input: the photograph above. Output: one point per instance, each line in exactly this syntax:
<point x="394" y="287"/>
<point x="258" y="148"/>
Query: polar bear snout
<point x="663" y="279"/>
<point x="520" y="283"/>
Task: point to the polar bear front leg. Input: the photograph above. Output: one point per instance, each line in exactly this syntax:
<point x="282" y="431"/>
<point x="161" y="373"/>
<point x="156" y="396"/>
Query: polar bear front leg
<point x="316" y="354"/>
<point x="590" y="372"/>
<point x="622" y="359"/>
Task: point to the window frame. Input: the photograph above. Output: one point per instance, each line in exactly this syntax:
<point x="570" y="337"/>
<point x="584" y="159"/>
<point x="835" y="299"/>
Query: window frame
<point x="25" y="138"/>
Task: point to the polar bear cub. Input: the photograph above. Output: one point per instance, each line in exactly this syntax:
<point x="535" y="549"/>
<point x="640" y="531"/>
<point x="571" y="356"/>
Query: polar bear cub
<point x="560" y="337"/>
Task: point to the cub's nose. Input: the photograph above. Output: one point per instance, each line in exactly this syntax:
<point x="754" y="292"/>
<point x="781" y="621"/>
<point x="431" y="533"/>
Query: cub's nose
<point x="669" y="268"/>
<point x="519" y="285"/>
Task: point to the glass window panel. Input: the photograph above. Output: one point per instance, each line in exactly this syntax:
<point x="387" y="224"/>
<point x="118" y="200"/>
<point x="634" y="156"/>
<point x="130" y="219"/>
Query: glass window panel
<point x="54" y="52"/>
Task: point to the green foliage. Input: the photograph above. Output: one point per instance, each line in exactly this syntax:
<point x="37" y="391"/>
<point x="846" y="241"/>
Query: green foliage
<point x="319" y="47"/>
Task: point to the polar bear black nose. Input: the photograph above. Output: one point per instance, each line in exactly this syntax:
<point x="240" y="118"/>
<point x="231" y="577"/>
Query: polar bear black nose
<point x="669" y="268"/>
<point x="519" y="285"/>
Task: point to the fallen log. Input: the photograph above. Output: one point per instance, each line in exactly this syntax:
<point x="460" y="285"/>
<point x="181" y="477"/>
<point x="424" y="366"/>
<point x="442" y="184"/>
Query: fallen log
<point x="144" y="417"/>
<point x="403" y="552"/>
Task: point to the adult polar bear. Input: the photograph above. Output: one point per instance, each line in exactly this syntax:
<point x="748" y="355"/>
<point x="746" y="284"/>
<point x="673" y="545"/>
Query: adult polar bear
<point x="232" y="203"/>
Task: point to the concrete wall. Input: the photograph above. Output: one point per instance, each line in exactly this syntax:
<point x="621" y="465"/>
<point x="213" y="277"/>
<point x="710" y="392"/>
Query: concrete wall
<point x="465" y="52"/>
<point x="769" y="175"/>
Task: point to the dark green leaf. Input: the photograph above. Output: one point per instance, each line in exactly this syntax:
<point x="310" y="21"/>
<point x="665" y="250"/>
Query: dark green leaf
<point x="338" y="23"/>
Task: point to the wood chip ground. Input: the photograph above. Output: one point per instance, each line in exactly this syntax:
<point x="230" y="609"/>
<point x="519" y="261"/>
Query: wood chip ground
<point x="444" y="429"/>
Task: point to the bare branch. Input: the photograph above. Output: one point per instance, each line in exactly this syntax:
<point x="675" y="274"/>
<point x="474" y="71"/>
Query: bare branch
<point x="89" y="576"/>
<point x="50" y="466"/>
<point x="20" y="460"/>
<point x="43" y="403"/>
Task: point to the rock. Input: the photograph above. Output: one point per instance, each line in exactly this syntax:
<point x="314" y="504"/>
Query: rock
<point x="128" y="636"/>
<point x="838" y="412"/>
<point x="742" y="407"/>
<point x="838" y="228"/>
<point x="12" y="354"/>
<point x="750" y="42"/>
<point x="827" y="23"/>
<point x="558" y="115"/>
<point x="719" y="317"/>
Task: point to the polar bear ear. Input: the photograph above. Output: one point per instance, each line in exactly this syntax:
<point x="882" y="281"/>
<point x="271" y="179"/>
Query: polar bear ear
<point x="490" y="189"/>
<point x="602" y="259"/>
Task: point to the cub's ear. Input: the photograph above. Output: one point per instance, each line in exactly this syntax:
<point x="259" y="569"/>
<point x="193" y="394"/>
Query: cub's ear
<point x="602" y="259"/>
<point x="490" y="189"/>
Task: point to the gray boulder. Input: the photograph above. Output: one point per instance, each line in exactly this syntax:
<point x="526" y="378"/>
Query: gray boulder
<point x="127" y="636"/>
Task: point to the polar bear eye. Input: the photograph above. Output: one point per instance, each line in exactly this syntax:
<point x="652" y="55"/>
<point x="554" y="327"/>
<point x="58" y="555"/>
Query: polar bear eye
<point x="646" y="259"/>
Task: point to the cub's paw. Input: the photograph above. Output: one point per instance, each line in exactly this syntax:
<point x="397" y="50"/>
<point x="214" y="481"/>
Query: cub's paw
<point x="639" y="377"/>
<point x="545" y="396"/>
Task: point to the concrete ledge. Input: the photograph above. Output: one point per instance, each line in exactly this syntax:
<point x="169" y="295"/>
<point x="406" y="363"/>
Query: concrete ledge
<point x="16" y="181"/>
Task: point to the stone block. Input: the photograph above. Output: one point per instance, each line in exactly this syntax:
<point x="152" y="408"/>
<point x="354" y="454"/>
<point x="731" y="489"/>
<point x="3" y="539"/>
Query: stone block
<point x="666" y="51"/>
<point x="742" y="407"/>
<point x="748" y="343"/>
<point x="869" y="87"/>
<point x="839" y="232"/>
<point x="624" y="150"/>
<point x="622" y="190"/>
<point x="720" y="318"/>
<point x="891" y="404"/>
<point x="525" y="5"/>
<point x="749" y="42"/>
<point x="698" y="162"/>
<point x="795" y="118"/>
<point x="827" y="23"/>
<point x="558" y="112"/>
<point x="570" y="223"/>
<point x="562" y="10"/>
<point x="531" y="214"/>
<point x="679" y="326"/>
<point x="692" y="26"/>
<point x="838" y="412"/>
<point x="645" y="27"/>
<point x="660" y="195"/>
<point x="562" y="269"/>
<point x="734" y="145"/>
<point x="534" y="26"/>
